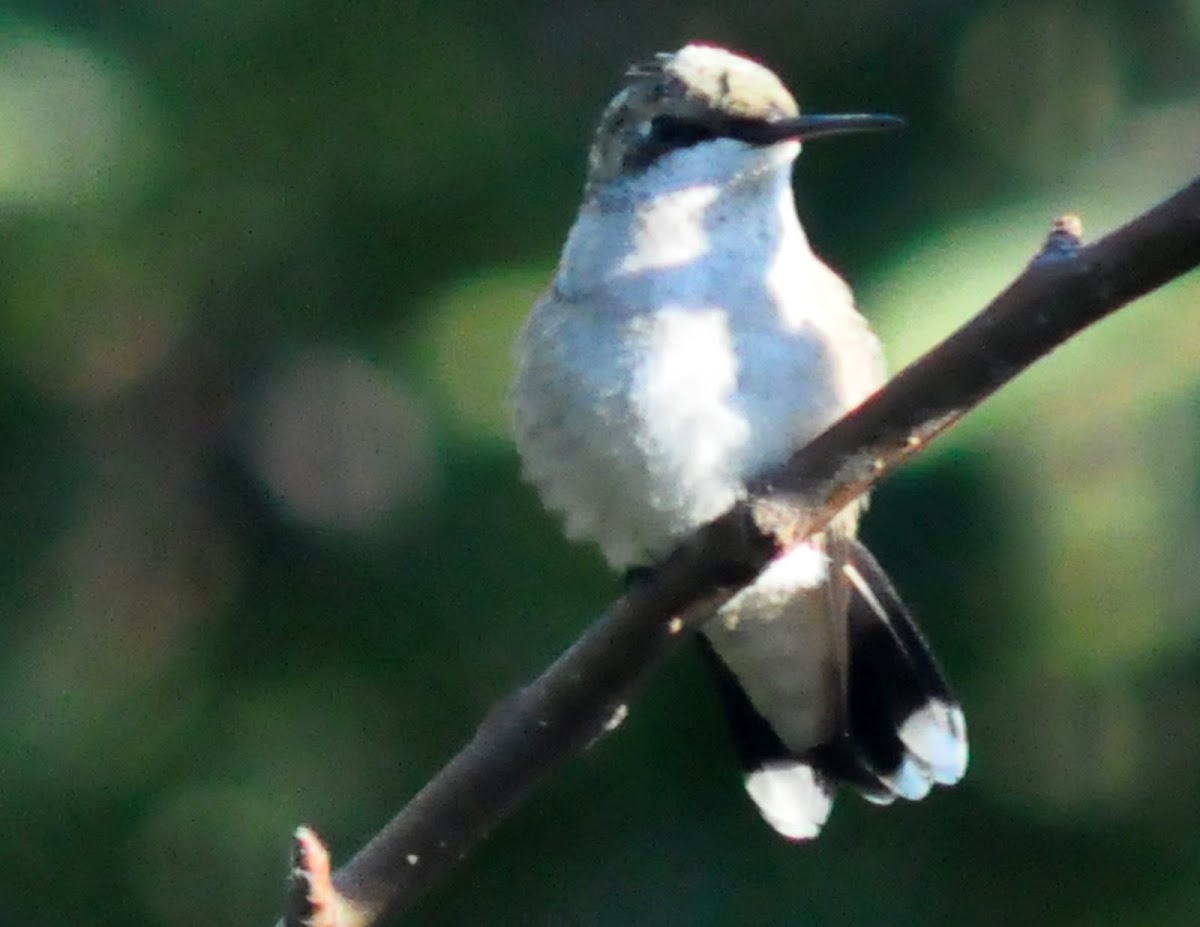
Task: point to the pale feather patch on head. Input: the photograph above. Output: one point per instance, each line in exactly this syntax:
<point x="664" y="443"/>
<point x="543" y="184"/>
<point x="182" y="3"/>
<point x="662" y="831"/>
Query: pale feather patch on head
<point x="713" y="78"/>
<point x="702" y="83"/>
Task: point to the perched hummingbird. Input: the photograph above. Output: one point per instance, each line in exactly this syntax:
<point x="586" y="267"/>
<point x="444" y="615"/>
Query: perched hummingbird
<point x="690" y="340"/>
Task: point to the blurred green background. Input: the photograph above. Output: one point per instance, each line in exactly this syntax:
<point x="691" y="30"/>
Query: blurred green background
<point x="265" y="557"/>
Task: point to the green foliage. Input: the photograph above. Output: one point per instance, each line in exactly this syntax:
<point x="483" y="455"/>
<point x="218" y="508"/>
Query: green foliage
<point x="264" y="551"/>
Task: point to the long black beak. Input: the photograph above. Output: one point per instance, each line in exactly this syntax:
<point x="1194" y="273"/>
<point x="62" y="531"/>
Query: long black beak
<point x="803" y="128"/>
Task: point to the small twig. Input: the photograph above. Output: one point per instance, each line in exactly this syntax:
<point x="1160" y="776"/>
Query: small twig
<point x="1065" y="288"/>
<point x="312" y="900"/>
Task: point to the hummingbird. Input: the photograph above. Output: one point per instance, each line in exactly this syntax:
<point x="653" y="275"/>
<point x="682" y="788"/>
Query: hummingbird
<point x="690" y="340"/>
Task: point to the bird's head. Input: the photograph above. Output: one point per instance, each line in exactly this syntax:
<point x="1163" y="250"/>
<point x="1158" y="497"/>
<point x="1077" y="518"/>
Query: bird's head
<point x="712" y="102"/>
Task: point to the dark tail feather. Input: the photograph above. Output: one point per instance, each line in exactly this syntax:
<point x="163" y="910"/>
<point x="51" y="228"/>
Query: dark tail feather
<point x="903" y="720"/>
<point x="791" y="794"/>
<point x="903" y="730"/>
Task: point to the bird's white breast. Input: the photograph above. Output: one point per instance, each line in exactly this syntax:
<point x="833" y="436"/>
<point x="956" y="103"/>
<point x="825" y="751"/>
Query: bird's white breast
<point x="664" y="369"/>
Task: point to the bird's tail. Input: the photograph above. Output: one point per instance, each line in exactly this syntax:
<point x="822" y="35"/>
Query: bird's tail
<point x="902" y="731"/>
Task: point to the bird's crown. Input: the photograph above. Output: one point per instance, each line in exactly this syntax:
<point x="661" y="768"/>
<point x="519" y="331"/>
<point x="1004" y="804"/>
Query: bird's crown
<point x="681" y="98"/>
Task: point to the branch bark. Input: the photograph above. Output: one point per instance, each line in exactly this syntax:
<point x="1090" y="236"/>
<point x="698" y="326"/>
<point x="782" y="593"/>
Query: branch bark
<point x="1065" y="288"/>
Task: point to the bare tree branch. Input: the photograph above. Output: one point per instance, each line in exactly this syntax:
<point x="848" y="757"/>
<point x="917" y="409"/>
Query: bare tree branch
<point x="1065" y="288"/>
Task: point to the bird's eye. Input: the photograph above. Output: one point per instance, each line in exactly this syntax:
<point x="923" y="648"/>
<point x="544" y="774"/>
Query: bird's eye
<point x="673" y="132"/>
<point x="664" y="134"/>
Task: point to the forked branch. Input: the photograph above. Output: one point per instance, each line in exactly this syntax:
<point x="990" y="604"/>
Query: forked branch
<point x="1063" y="290"/>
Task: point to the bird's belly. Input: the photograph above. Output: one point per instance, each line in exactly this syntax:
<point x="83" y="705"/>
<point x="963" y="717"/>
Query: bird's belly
<point x="780" y="638"/>
<point x="657" y="433"/>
